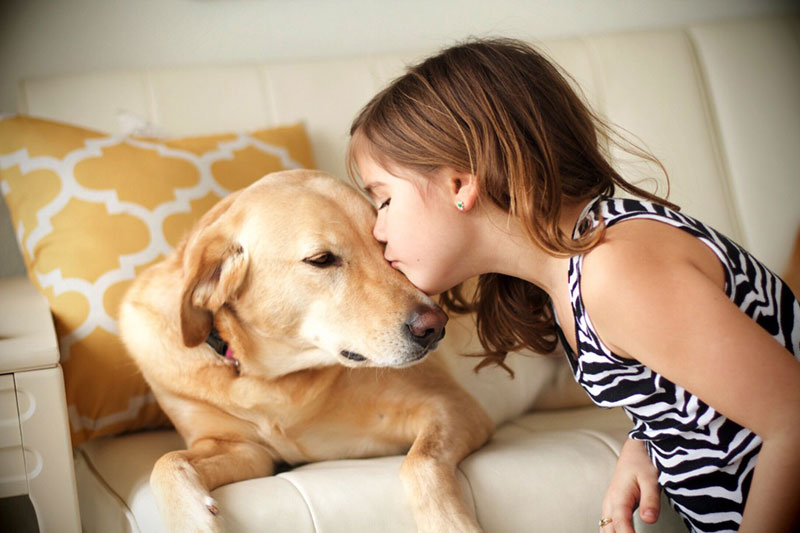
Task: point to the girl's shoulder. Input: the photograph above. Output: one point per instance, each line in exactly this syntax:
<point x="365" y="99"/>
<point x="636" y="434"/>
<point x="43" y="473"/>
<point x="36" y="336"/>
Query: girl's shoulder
<point x="646" y="239"/>
<point x="639" y="261"/>
<point x="649" y="248"/>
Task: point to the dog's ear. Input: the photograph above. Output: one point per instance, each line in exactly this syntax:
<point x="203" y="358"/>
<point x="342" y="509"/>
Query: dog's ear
<point x="215" y="268"/>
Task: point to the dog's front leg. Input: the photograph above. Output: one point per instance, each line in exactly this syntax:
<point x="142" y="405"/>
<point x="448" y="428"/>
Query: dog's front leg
<point x="182" y="480"/>
<point x="429" y="472"/>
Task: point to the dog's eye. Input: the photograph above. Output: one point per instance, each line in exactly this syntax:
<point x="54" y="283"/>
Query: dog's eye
<point x="323" y="260"/>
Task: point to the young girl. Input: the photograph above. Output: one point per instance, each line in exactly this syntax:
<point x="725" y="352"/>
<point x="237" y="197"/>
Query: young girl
<point x="483" y="161"/>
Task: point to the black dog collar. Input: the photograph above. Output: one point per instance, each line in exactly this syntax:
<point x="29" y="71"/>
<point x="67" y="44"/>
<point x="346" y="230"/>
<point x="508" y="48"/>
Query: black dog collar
<point x="223" y="349"/>
<point x="215" y="341"/>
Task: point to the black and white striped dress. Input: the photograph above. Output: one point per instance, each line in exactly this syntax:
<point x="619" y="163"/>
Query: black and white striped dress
<point x="705" y="461"/>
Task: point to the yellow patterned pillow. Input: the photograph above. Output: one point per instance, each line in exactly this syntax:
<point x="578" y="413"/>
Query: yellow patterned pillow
<point x="91" y="211"/>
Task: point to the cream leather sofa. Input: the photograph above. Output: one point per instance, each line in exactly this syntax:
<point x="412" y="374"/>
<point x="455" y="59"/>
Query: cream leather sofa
<point x="718" y="103"/>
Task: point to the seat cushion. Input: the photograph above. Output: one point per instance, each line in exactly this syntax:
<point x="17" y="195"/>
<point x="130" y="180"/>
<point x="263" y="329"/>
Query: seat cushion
<point x="552" y="465"/>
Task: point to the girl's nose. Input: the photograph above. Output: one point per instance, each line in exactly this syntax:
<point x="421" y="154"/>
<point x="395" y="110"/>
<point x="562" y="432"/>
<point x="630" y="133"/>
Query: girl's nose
<point x="378" y="230"/>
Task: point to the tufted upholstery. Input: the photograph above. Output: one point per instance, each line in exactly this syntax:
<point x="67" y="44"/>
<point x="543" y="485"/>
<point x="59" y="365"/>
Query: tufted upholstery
<point x="697" y="96"/>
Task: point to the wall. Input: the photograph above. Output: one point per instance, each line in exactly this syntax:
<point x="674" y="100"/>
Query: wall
<point x="42" y="37"/>
<point x="47" y="37"/>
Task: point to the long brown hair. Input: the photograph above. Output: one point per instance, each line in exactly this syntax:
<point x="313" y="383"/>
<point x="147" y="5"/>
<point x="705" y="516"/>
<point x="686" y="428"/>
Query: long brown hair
<point x="498" y="109"/>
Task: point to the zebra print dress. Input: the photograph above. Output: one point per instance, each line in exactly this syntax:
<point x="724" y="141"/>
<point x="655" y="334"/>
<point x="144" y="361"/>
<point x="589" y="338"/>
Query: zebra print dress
<point x="705" y="461"/>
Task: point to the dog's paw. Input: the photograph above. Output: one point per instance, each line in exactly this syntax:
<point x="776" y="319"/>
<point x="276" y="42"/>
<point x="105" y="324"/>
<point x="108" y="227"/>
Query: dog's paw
<point x="200" y="514"/>
<point x="184" y="502"/>
<point x="211" y="505"/>
<point x="450" y="528"/>
<point x="441" y="523"/>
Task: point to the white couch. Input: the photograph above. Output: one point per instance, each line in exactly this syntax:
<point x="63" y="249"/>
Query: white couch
<point x="718" y="103"/>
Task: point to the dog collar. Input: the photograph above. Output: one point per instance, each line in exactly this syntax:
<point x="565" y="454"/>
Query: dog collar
<point x="222" y="348"/>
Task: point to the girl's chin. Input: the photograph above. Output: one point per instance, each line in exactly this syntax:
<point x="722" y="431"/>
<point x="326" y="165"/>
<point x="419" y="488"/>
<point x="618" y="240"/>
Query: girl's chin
<point x="430" y="289"/>
<point x="419" y="283"/>
<point x="424" y="283"/>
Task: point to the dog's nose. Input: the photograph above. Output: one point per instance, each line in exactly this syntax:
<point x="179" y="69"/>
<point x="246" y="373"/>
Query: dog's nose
<point x="425" y="325"/>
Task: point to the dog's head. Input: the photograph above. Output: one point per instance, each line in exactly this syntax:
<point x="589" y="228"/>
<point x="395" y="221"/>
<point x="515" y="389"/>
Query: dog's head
<point x="291" y="267"/>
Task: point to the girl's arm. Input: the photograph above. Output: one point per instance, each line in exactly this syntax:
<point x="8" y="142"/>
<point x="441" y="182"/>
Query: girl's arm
<point x="657" y="301"/>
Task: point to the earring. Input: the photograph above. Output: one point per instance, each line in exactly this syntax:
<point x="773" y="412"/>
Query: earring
<point x="460" y="205"/>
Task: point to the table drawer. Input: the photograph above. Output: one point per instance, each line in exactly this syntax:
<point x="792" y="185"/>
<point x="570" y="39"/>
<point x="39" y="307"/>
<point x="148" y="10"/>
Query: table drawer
<point x="13" y="481"/>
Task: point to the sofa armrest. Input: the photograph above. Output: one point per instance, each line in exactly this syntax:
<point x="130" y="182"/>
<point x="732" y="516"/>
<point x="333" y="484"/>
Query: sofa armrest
<point x="27" y="335"/>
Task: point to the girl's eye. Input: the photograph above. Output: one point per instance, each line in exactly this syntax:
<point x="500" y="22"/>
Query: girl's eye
<point x="384" y="204"/>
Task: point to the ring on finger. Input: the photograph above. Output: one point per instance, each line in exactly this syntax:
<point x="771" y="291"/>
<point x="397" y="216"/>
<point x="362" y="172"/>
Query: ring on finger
<point x="604" y="522"/>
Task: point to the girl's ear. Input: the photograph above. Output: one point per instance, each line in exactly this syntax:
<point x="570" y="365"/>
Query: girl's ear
<point x="465" y="188"/>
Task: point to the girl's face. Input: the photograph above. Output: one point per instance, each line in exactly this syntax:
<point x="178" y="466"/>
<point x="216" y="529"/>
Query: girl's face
<point x="419" y="223"/>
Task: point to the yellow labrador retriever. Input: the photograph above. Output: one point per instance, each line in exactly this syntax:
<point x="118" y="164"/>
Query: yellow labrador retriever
<point x="260" y="336"/>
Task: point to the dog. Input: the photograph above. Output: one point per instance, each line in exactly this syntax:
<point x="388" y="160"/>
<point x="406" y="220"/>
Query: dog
<point x="268" y="326"/>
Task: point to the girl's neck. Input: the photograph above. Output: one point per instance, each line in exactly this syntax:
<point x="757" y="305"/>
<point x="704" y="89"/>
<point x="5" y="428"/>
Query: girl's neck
<point x="502" y="246"/>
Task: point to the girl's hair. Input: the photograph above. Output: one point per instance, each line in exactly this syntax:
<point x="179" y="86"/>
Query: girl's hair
<point x="500" y="110"/>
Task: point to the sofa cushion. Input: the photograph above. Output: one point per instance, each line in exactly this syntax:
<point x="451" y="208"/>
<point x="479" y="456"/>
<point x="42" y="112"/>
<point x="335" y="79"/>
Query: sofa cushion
<point x="91" y="211"/>
<point x="546" y="471"/>
<point x="753" y="78"/>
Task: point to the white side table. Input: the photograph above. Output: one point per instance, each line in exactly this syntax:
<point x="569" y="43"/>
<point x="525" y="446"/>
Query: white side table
<point x="35" y="448"/>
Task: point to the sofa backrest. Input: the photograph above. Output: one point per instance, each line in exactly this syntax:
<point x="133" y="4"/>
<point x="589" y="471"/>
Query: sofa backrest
<point x="718" y="104"/>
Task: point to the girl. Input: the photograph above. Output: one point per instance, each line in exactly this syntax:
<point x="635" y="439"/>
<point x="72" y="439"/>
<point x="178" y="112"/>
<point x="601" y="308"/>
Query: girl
<point x="483" y="161"/>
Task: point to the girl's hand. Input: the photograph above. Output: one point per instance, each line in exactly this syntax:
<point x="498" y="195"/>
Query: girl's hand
<point x="635" y="482"/>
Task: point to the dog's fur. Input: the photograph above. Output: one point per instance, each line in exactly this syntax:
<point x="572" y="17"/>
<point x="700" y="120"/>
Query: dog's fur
<point x="289" y="393"/>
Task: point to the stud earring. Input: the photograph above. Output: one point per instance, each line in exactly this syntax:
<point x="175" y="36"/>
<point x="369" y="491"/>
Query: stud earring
<point x="460" y="205"/>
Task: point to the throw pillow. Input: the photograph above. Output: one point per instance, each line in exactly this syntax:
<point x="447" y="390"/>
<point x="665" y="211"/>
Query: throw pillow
<point x="92" y="210"/>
